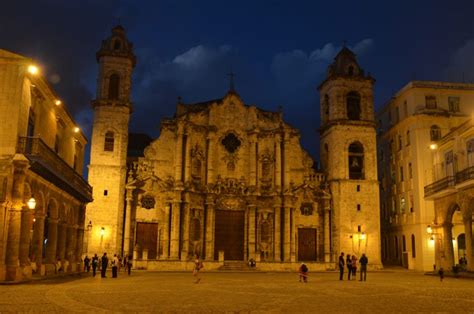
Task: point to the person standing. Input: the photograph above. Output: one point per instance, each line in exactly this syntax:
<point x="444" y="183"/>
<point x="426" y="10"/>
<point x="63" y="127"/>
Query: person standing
<point x="303" y="270"/>
<point x="104" y="264"/>
<point x="363" y="261"/>
<point x="441" y="274"/>
<point x="95" y="263"/>
<point x="349" y="266"/>
<point x="129" y="264"/>
<point x="354" y="267"/>
<point x="115" y="263"/>
<point x="87" y="264"/>
<point x="197" y="267"/>
<point x="341" y="266"/>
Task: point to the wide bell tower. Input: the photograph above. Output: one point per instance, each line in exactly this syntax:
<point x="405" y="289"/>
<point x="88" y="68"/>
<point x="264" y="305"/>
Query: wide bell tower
<point x="349" y="159"/>
<point x="107" y="169"/>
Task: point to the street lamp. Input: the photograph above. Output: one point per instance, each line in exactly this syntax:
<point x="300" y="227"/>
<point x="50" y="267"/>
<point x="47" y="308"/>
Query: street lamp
<point x="31" y="203"/>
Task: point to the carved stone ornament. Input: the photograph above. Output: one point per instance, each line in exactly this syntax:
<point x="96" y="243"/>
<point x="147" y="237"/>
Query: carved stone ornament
<point x="148" y="202"/>
<point x="306" y="209"/>
<point x="231" y="203"/>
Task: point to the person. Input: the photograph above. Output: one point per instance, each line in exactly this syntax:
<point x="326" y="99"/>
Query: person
<point x="59" y="266"/>
<point x="252" y="262"/>
<point x="441" y="273"/>
<point x="197" y="267"/>
<point x="349" y="266"/>
<point x="115" y="263"/>
<point x="104" y="264"/>
<point x="354" y="266"/>
<point x="129" y="264"/>
<point x="341" y="266"/>
<point x="95" y="263"/>
<point x="363" y="261"/>
<point x="87" y="264"/>
<point x="303" y="270"/>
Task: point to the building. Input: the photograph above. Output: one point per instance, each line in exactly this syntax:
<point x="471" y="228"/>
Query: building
<point x="42" y="192"/>
<point x="229" y="181"/>
<point x="416" y="117"/>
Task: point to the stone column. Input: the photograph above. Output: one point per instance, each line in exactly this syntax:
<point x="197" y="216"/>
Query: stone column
<point x="327" y="234"/>
<point x="165" y="240"/>
<point x="448" y="246"/>
<point x="178" y="168"/>
<point x="175" y="229"/>
<point x="277" y="237"/>
<point x="278" y="183"/>
<point x="13" y="271"/>
<point x="210" y="160"/>
<point x="25" y="236"/>
<point x="469" y="249"/>
<point x="128" y="222"/>
<point x="252" y="230"/>
<point x="79" y="243"/>
<point x="253" y="160"/>
<point x="186" y="220"/>
<point x="37" y="243"/>
<point x="210" y="231"/>
<point x="293" y="236"/>
<point x="286" y="161"/>
<point x="52" y="240"/>
<point x="187" y="160"/>
<point x="286" y="233"/>
<point x="62" y="239"/>
<point x="70" y="243"/>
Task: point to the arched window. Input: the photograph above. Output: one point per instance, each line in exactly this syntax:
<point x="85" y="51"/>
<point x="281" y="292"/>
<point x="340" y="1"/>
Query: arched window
<point x="117" y="44"/>
<point x="356" y="161"/>
<point x="353" y="106"/>
<point x="413" y="247"/>
<point x="114" y="86"/>
<point x="435" y="133"/>
<point x="326" y="106"/>
<point x="109" y="141"/>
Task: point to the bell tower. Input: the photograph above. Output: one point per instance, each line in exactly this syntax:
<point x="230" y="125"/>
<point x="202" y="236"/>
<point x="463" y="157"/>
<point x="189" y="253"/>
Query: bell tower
<point x="107" y="169"/>
<point x="349" y="158"/>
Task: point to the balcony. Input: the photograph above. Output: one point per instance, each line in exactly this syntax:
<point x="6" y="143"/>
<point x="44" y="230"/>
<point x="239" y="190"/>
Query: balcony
<point x="465" y="178"/>
<point x="441" y="187"/>
<point x="46" y="163"/>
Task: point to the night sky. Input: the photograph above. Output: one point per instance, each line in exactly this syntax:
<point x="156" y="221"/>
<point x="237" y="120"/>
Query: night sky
<point x="279" y="50"/>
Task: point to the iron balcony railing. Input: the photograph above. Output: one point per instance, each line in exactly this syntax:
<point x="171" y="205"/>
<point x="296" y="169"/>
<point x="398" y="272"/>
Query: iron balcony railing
<point x="48" y="164"/>
<point x="464" y="175"/>
<point x="439" y="185"/>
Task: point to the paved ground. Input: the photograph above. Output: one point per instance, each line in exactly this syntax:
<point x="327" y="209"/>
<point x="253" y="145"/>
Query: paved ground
<point x="396" y="291"/>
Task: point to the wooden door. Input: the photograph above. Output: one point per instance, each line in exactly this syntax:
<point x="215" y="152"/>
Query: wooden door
<point x="229" y="234"/>
<point x="307" y="249"/>
<point x="147" y="237"/>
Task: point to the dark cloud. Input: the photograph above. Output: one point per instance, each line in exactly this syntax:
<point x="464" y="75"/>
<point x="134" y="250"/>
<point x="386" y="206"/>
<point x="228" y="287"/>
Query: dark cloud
<point x="461" y="63"/>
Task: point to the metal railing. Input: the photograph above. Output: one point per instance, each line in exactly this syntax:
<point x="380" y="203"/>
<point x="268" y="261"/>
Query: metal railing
<point x="439" y="185"/>
<point x="464" y="175"/>
<point x="54" y="167"/>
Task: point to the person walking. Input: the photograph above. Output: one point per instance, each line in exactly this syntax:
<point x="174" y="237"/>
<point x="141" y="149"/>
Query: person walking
<point x="303" y="270"/>
<point x="95" y="263"/>
<point x="363" y="261"/>
<point x="341" y="266"/>
<point x="104" y="264"/>
<point x="115" y="263"/>
<point x="87" y="264"/>
<point x="441" y="274"/>
<point x="129" y="264"/>
<point x="354" y="267"/>
<point x="349" y="266"/>
<point x="197" y="267"/>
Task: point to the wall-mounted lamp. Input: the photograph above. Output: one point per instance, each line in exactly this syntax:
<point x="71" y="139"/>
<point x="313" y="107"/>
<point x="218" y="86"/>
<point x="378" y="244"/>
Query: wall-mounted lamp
<point x="31" y="203"/>
<point x="102" y="231"/>
<point x="362" y="236"/>
<point x="433" y="146"/>
<point x="33" y="69"/>
<point x="89" y="225"/>
<point x="429" y="229"/>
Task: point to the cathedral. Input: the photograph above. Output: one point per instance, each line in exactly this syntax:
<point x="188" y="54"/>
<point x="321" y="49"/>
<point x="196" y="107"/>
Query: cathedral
<point x="230" y="182"/>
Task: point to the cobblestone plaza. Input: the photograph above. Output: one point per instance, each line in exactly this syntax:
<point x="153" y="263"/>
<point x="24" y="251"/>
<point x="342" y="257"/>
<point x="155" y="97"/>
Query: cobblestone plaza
<point x="387" y="291"/>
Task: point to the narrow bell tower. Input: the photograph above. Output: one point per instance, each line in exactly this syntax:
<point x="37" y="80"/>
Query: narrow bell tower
<point x="349" y="159"/>
<point x="107" y="169"/>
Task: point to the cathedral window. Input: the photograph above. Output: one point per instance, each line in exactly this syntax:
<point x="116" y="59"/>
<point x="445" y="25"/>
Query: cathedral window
<point x="114" y="86"/>
<point x="231" y="143"/>
<point x="117" y="44"/>
<point x="435" y="133"/>
<point x="197" y="166"/>
<point x="356" y="161"/>
<point x="413" y="247"/>
<point x="306" y="209"/>
<point x="109" y="141"/>
<point x="353" y="106"/>
<point x="196" y="230"/>
<point x="148" y="202"/>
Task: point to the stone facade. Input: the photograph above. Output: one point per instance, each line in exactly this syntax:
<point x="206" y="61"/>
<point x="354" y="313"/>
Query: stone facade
<point x="415" y="118"/>
<point x="228" y="181"/>
<point x="42" y="193"/>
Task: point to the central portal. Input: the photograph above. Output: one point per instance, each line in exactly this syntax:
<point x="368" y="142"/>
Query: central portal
<point x="229" y="234"/>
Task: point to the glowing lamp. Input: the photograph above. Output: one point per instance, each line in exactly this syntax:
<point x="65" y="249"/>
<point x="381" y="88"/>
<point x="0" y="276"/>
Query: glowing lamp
<point x="32" y="69"/>
<point x="429" y="229"/>
<point x="362" y="236"/>
<point x="76" y="129"/>
<point x="31" y="203"/>
<point x="102" y="231"/>
<point x="57" y="102"/>
<point x="433" y="146"/>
